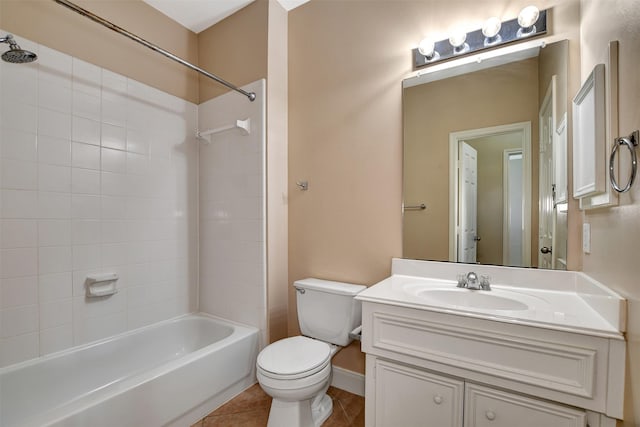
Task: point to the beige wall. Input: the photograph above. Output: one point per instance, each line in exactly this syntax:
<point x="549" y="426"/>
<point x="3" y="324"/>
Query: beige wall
<point x="235" y="49"/>
<point x="615" y="232"/>
<point x="346" y="62"/>
<point x="57" y="27"/>
<point x="554" y="59"/>
<point x="491" y="97"/>
<point x="277" y="208"/>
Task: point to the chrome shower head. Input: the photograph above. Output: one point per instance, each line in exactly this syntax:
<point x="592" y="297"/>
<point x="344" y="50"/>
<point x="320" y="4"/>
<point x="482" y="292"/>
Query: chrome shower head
<point x="16" y="55"/>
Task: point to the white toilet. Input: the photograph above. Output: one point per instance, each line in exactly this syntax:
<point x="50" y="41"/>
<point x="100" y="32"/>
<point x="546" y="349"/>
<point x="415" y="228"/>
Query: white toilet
<point x="296" y="371"/>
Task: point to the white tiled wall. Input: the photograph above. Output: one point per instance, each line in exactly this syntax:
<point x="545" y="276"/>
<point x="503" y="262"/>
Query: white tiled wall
<point x="97" y="174"/>
<point x="232" y="210"/>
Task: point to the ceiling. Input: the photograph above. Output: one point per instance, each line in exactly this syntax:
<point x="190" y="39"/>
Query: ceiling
<point x="198" y="15"/>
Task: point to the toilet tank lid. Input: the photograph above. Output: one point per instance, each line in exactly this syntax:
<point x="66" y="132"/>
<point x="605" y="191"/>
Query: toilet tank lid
<point x="329" y="286"/>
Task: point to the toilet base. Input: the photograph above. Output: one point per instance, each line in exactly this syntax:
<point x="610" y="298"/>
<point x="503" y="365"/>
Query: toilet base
<point x="322" y="410"/>
<point x="305" y="413"/>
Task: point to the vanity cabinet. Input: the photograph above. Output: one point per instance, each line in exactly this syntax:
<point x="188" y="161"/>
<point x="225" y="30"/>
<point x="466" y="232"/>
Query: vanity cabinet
<point x="427" y="368"/>
<point x="407" y="396"/>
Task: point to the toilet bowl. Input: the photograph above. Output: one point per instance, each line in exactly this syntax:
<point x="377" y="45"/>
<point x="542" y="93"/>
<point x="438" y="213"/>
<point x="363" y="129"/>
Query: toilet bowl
<point x="296" y="371"/>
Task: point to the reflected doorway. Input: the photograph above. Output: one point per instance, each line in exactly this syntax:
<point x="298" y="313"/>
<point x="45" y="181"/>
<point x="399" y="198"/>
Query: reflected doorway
<point x="500" y="233"/>
<point x="513" y="221"/>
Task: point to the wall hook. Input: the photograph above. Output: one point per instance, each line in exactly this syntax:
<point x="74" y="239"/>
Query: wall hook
<point x="303" y="185"/>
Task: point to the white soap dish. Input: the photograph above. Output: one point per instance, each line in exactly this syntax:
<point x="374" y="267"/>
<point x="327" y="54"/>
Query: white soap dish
<point x="101" y="285"/>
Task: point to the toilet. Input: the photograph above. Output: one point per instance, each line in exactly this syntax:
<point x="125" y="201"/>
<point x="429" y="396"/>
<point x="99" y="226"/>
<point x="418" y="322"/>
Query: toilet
<point x="296" y="371"/>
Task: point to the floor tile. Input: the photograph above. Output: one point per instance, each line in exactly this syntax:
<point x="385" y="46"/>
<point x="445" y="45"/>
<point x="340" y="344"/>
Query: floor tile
<point x="251" y="409"/>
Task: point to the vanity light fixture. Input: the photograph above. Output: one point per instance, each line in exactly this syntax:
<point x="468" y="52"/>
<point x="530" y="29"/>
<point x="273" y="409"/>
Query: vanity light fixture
<point x="531" y="22"/>
<point x="457" y="40"/>
<point x="527" y="19"/>
<point x="491" y="31"/>
<point x="427" y="48"/>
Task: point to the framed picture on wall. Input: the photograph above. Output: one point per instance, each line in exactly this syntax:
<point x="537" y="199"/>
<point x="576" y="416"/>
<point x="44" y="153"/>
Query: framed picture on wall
<point x="589" y="136"/>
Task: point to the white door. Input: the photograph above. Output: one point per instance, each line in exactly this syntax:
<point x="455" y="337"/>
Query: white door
<point x="546" y="207"/>
<point x="468" y="232"/>
<point x="408" y="397"/>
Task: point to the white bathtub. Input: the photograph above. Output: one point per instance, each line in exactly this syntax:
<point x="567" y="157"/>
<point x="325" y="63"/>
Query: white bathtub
<point x="170" y="373"/>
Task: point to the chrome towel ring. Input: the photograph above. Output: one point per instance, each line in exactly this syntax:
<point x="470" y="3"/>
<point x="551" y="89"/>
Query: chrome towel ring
<point x="631" y="142"/>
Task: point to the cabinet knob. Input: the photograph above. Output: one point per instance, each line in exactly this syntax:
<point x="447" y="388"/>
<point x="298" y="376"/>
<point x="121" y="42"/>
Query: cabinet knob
<point x="490" y="415"/>
<point x="437" y="399"/>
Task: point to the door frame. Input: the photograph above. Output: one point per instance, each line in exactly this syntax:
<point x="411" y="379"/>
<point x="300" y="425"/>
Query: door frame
<point x="454" y="140"/>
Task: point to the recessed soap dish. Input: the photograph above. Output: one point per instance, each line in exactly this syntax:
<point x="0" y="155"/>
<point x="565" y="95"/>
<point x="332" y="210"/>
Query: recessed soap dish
<point x="101" y="285"/>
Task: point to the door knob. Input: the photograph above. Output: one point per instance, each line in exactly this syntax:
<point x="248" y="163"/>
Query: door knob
<point x="545" y="250"/>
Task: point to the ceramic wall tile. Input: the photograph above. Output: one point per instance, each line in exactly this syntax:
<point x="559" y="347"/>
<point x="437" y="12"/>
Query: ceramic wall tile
<point x="90" y="182"/>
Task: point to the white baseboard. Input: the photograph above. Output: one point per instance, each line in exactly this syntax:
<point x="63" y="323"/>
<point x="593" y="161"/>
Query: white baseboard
<point x="350" y="381"/>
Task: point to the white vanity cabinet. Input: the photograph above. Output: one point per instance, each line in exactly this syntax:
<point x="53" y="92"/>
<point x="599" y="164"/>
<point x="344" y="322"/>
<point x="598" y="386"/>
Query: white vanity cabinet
<point x="407" y="396"/>
<point x="433" y="369"/>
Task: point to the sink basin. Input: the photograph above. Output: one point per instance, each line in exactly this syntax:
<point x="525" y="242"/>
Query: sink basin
<point x="439" y="293"/>
<point x="488" y="300"/>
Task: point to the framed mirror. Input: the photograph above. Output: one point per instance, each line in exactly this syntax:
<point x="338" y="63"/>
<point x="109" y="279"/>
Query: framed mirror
<point x="485" y="154"/>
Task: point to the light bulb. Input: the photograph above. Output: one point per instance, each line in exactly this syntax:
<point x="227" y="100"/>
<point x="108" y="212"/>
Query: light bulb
<point x="528" y="16"/>
<point x="457" y="38"/>
<point x="491" y="27"/>
<point x="427" y="47"/>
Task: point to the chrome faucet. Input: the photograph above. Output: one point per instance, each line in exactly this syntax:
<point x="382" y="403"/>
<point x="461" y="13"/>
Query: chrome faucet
<point x="471" y="281"/>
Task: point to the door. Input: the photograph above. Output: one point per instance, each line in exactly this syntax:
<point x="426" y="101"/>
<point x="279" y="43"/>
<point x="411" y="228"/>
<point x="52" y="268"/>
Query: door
<point x="468" y="233"/>
<point x="411" y="397"/>
<point x="546" y="208"/>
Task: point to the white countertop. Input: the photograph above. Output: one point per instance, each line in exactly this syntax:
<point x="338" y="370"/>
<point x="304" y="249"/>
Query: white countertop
<point x="574" y="304"/>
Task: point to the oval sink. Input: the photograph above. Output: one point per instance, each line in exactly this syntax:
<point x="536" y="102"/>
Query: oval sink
<point x="487" y="300"/>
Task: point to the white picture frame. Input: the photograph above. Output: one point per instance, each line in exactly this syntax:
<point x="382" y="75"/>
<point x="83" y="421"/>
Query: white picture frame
<point x="589" y="136"/>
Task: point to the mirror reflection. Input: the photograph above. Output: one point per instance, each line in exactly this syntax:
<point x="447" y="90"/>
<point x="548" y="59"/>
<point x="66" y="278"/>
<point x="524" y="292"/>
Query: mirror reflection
<point x="485" y="153"/>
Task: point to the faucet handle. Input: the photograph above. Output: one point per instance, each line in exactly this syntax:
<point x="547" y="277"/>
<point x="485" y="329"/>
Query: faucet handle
<point x="485" y="282"/>
<point x="462" y="280"/>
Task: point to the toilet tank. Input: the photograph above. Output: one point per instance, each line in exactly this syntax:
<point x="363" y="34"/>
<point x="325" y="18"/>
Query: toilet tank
<point x="327" y="310"/>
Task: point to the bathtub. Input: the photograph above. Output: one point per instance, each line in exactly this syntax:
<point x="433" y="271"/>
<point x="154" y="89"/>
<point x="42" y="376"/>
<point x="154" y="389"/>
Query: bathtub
<point x="168" y="374"/>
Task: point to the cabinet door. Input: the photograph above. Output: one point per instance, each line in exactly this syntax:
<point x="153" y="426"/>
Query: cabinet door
<point x="486" y="407"/>
<point x="410" y="397"/>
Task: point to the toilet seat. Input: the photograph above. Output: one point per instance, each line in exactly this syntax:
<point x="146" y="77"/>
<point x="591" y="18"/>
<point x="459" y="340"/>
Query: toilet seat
<point x="293" y="358"/>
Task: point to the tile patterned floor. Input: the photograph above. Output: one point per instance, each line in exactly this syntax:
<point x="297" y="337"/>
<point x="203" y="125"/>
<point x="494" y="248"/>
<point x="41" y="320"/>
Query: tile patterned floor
<point x="251" y="409"/>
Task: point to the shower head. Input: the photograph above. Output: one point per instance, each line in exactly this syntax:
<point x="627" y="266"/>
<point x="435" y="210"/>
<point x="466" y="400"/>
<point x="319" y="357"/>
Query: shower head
<point x="15" y="54"/>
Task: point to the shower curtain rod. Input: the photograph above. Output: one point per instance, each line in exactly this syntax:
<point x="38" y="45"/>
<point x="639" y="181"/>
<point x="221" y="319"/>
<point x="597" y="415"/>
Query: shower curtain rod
<point x="120" y="30"/>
